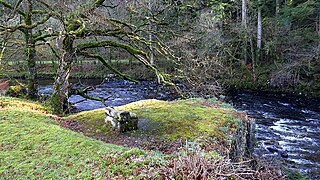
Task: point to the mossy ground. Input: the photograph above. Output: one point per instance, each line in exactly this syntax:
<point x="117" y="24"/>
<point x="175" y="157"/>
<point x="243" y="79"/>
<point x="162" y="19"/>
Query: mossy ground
<point x="166" y="126"/>
<point x="33" y="145"/>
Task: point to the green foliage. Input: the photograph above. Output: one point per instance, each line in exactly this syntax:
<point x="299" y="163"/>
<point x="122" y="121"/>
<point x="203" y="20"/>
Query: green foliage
<point x="302" y="11"/>
<point x="295" y="175"/>
<point x="219" y="8"/>
<point x="16" y="91"/>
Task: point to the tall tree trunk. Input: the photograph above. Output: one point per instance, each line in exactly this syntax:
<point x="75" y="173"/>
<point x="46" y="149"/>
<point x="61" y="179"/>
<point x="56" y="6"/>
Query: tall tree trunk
<point x="277" y="7"/>
<point x="259" y="35"/>
<point x="60" y="94"/>
<point x="253" y="59"/>
<point x="150" y="33"/>
<point x="31" y="53"/>
<point x="3" y="48"/>
<point x="244" y="13"/>
<point x="244" y="30"/>
<point x="59" y="98"/>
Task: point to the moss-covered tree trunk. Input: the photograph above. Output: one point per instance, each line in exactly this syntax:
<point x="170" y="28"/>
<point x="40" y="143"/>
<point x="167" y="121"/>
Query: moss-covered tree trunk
<point x="30" y="54"/>
<point x="60" y="94"/>
<point x="59" y="98"/>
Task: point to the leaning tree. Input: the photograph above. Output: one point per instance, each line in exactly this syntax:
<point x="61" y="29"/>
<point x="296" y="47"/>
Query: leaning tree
<point x="86" y="27"/>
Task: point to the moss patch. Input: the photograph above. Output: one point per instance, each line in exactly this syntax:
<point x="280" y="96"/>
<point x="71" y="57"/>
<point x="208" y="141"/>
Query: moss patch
<point x="166" y="122"/>
<point x="187" y="119"/>
<point x="16" y="91"/>
<point x="91" y="122"/>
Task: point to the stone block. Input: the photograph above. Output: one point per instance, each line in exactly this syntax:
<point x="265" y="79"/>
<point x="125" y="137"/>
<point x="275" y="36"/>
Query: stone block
<point x="121" y="120"/>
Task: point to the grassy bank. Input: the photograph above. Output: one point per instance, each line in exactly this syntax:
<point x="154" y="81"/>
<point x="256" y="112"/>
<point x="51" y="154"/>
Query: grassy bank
<point x="35" y="144"/>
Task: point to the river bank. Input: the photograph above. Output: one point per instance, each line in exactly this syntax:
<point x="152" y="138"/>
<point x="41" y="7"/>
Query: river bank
<point x="36" y="144"/>
<point x="242" y="79"/>
<point x="126" y="92"/>
<point x="265" y="79"/>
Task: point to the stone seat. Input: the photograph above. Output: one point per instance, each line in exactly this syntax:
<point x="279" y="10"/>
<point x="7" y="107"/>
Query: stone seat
<point x="121" y="120"/>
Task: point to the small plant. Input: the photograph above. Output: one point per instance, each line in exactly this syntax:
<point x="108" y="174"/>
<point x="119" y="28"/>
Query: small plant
<point x="295" y="175"/>
<point x="16" y="91"/>
<point x="212" y="100"/>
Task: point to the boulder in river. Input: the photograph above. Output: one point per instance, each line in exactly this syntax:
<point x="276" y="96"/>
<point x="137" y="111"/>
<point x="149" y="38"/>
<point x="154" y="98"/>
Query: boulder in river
<point x="284" y="154"/>
<point x="272" y="149"/>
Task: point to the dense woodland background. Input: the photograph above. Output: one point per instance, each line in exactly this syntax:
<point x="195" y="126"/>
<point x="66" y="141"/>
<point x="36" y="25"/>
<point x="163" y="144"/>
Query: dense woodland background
<point x="207" y="45"/>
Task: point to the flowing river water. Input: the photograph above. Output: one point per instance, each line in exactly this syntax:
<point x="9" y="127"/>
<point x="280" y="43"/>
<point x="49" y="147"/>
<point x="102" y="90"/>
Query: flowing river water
<point x="287" y="128"/>
<point x="119" y="92"/>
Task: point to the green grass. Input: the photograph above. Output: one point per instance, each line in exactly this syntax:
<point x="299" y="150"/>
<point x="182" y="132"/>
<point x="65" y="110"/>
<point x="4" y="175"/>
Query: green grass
<point x="295" y="175"/>
<point x="34" y="146"/>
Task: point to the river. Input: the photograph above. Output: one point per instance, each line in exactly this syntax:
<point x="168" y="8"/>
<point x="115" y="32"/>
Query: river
<point x="288" y="128"/>
<point x="119" y="92"/>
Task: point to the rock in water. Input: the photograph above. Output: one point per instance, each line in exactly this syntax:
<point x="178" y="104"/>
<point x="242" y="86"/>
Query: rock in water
<point x="284" y="154"/>
<point x="121" y="120"/>
<point x="272" y="149"/>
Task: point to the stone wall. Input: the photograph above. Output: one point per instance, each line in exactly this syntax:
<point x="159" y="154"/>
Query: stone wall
<point x="243" y="144"/>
